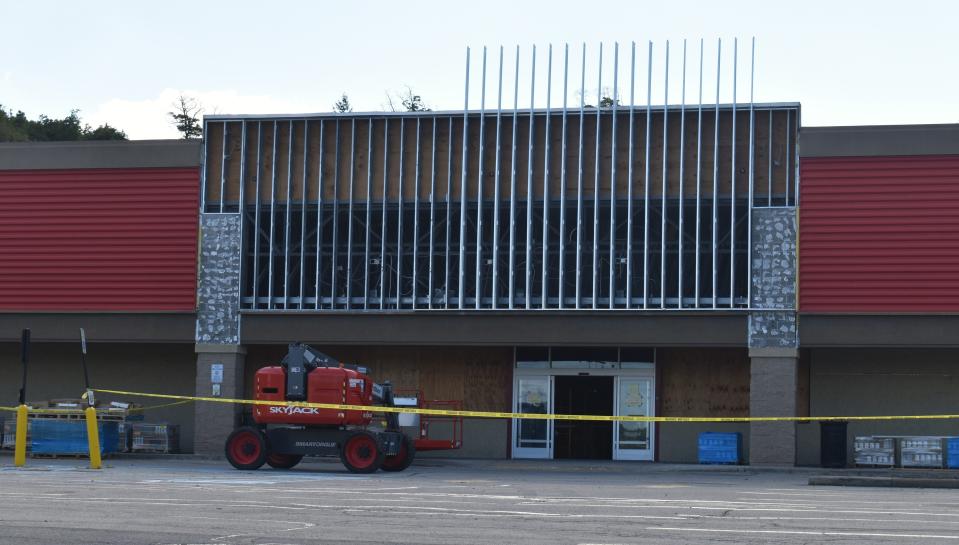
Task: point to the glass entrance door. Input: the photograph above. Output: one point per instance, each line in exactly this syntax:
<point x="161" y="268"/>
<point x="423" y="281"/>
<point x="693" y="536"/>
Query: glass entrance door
<point x="633" y="440"/>
<point x="533" y="438"/>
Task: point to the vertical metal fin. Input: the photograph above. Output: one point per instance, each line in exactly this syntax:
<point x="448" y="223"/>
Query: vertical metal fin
<point x="732" y="200"/>
<point x="512" y="190"/>
<point x="416" y="216"/>
<point x="647" y="197"/>
<point x="399" y="216"/>
<point x="629" y="178"/>
<point x="544" y="281"/>
<point x="596" y="191"/>
<point x="496" y="184"/>
<point x="430" y="287"/>
<point x="662" y="210"/>
<point x="461" y="287"/>
<point x="369" y="215"/>
<point x="715" y="228"/>
<point x="349" y="219"/>
<point x="612" y="183"/>
<point x="478" y="282"/>
<point x="528" y="280"/>
<point x="682" y="183"/>
<point x="579" y="185"/>
<point x="562" y="185"/>
<point x="699" y="174"/>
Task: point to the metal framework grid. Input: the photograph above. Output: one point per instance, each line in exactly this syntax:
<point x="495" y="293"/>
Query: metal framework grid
<point x="428" y="210"/>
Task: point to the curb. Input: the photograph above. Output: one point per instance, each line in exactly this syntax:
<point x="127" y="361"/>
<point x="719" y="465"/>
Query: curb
<point x="886" y="482"/>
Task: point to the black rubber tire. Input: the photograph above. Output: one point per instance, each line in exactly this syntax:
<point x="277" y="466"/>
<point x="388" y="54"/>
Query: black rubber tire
<point x="246" y="448"/>
<point x="403" y="459"/>
<point x="283" y="461"/>
<point x="361" y="453"/>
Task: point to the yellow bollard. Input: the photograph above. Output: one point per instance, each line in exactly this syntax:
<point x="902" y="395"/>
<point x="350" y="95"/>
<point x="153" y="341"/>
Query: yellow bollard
<point x="93" y="438"/>
<point x="20" y="447"/>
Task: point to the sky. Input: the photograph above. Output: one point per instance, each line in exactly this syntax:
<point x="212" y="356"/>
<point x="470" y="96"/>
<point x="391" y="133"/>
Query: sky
<point x="125" y="63"/>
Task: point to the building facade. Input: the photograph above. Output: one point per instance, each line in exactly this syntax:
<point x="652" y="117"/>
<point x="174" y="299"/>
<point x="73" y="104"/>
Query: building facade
<point x="631" y="260"/>
<point x="671" y="261"/>
<point x="100" y="236"/>
<point x="877" y="277"/>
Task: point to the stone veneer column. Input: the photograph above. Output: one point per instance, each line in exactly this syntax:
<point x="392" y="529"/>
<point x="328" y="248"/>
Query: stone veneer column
<point x="218" y="330"/>
<point x="773" y="336"/>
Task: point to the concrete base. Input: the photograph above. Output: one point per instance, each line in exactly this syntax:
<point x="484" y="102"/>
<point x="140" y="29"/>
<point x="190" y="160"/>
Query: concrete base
<point x="215" y="421"/>
<point x="885" y="482"/>
<point x="772" y="392"/>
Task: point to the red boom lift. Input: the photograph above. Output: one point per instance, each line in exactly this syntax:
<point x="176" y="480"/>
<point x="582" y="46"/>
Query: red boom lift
<point x="283" y="435"/>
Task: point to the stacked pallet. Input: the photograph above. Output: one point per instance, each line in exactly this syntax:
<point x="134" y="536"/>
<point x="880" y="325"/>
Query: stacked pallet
<point x="907" y="451"/>
<point x="157" y="438"/>
<point x="57" y="428"/>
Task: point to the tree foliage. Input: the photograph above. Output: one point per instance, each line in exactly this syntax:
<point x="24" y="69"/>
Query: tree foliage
<point x="186" y="117"/>
<point x="16" y="127"/>
<point x="413" y="102"/>
<point x="343" y="105"/>
<point x="607" y="102"/>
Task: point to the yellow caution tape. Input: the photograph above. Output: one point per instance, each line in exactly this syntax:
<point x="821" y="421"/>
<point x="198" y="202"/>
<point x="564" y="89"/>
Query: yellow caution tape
<point x="530" y="416"/>
<point x="163" y="406"/>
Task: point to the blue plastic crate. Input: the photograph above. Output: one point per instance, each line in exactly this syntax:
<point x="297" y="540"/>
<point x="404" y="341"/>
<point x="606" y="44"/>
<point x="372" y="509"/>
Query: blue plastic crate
<point x="63" y="436"/>
<point x="720" y="448"/>
<point x="952" y="452"/>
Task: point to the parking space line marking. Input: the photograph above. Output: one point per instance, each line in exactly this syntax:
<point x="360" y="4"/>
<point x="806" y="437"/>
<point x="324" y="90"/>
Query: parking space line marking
<point x="804" y="533"/>
<point x="837" y="519"/>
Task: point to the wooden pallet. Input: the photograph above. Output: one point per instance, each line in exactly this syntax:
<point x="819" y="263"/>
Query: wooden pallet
<point x="65" y="456"/>
<point x="73" y="456"/>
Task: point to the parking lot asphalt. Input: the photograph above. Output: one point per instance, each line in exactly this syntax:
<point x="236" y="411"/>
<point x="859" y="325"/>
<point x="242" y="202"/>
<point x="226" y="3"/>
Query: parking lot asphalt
<point x="158" y="501"/>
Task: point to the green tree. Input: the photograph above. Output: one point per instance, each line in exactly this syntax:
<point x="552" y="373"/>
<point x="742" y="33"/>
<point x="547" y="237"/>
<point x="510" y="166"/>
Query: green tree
<point x="413" y="102"/>
<point x="343" y="105"/>
<point x="186" y="117"/>
<point x="18" y="128"/>
<point x="104" y="132"/>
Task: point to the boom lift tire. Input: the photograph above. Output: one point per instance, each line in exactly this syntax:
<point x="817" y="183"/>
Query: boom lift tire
<point x="283" y="461"/>
<point x="361" y="453"/>
<point x="403" y="458"/>
<point x="246" y="448"/>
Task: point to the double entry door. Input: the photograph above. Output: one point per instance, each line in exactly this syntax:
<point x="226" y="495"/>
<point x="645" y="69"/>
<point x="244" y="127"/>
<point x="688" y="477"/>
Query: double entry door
<point x="632" y="396"/>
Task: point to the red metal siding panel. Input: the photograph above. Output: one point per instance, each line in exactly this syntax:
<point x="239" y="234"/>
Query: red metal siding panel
<point x="99" y="239"/>
<point x="879" y="234"/>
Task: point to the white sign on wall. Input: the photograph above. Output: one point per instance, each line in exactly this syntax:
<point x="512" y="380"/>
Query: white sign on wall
<point x="216" y="373"/>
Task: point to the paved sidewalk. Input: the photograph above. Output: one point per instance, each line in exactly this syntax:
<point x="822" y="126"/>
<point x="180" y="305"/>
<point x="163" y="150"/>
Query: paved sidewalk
<point x="586" y="466"/>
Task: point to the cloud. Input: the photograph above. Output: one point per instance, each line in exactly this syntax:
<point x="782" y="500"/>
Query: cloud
<point x="149" y="118"/>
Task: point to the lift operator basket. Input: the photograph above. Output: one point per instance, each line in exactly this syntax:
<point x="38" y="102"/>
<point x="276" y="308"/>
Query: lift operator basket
<point x="447" y="431"/>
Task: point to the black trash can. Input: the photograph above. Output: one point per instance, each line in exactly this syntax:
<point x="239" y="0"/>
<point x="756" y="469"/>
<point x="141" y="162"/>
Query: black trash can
<point x="832" y="450"/>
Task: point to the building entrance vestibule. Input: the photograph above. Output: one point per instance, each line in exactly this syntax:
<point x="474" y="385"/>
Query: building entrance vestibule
<point x="584" y="381"/>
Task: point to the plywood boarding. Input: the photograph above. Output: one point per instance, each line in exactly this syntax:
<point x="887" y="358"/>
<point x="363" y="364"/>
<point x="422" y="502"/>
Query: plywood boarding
<point x="213" y="165"/>
<point x="479" y="376"/>
<point x="233" y="153"/>
<point x="395" y="139"/>
<point x="703" y="382"/>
